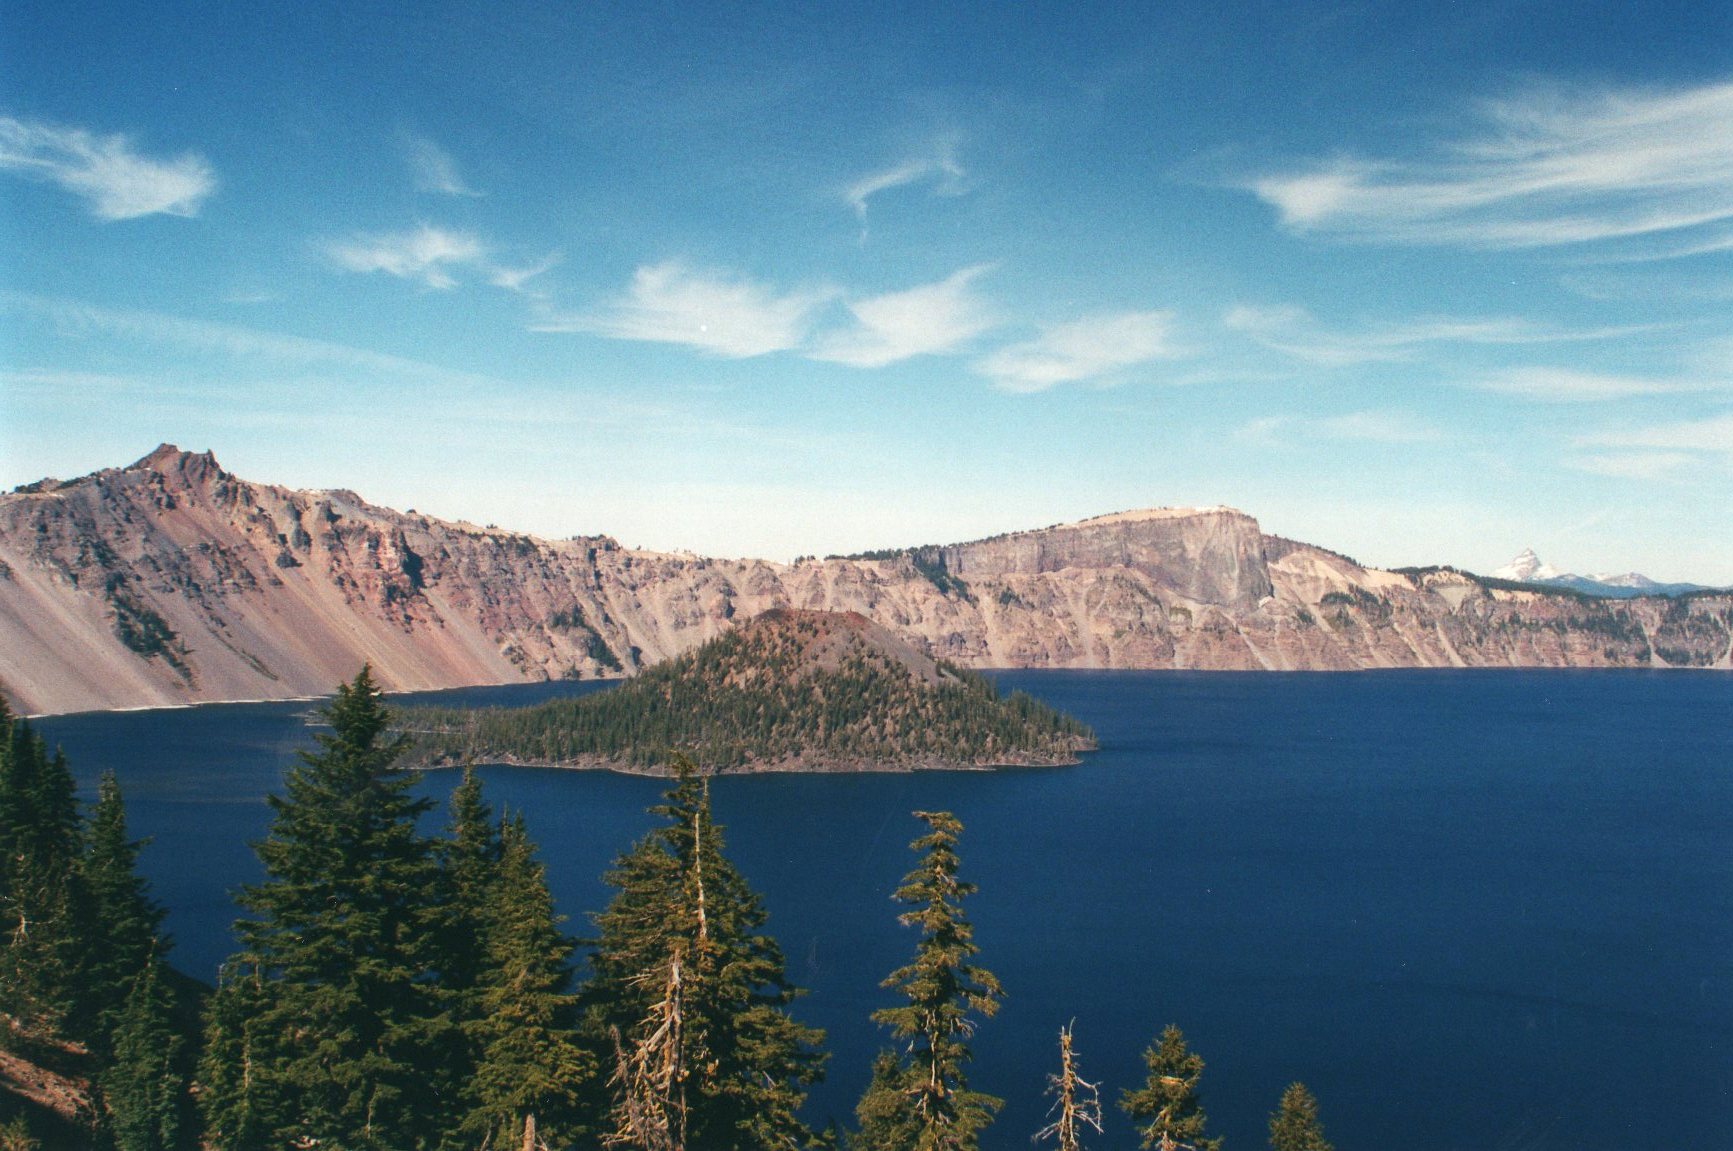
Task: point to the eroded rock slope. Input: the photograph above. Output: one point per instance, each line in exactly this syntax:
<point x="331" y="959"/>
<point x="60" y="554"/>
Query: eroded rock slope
<point x="173" y="581"/>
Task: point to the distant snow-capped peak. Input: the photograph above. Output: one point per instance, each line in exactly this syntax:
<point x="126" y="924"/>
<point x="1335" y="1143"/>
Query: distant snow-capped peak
<point x="1528" y="568"/>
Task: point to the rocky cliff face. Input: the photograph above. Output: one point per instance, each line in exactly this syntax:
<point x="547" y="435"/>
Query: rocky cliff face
<point x="173" y="581"/>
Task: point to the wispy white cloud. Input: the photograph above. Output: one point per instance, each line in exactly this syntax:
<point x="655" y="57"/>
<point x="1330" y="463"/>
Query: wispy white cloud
<point x="715" y="312"/>
<point x="1574" y="386"/>
<point x="1378" y="427"/>
<point x="1713" y="434"/>
<point x="937" y="165"/>
<point x="1295" y="332"/>
<point x="1089" y="349"/>
<point x="925" y="320"/>
<point x="1674" y="449"/>
<point x="435" y="170"/>
<point x="114" y="179"/>
<point x="1550" y="166"/>
<point x="427" y="254"/>
<point x="74" y="319"/>
<point x="517" y="279"/>
<point x="1633" y="465"/>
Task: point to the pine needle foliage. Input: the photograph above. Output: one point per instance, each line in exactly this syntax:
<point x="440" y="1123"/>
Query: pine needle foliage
<point x="343" y="1025"/>
<point x="1166" y="1107"/>
<point x="919" y="1100"/>
<point x="144" y="1086"/>
<point x="44" y="907"/>
<point x="1295" y="1125"/>
<point x="126" y="921"/>
<point x="744" y="1063"/>
<point x="529" y="1066"/>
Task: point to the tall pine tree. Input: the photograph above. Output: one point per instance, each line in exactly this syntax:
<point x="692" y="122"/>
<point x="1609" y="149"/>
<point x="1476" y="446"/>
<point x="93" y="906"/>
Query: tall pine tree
<point x="333" y="1002"/>
<point x="922" y="1101"/>
<point x="144" y="1084"/>
<point x="1295" y="1125"/>
<point x="1166" y="1107"/>
<point x="529" y="1067"/>
<point x="680" y="905"/>
<point x="125" y="944"/>
<point x="44" y="913"/>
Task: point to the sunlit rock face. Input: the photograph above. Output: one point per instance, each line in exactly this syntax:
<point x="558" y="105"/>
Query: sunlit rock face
<point x="172" y="581"/>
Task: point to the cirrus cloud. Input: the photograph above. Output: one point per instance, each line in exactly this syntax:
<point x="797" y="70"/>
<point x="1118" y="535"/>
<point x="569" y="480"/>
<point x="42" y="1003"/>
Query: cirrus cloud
<point x="1550" y="166"/>
<point x="114" y="179"/>
<point x="1089" y="349"/>
<point x="715" y="312"/>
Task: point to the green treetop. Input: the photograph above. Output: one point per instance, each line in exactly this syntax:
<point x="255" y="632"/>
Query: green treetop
<point x="344" y="1025"/>
<point x="43" y="906"/>
<point x="127" y="921"/>
<point x="922" y="1101"/>
<point x="527" y="1075"/>
<point x="1295" y="1126"/>
<point x="144" y="1085"/>
<point x="681" y="955"/>
<point x="1166" y="1107"/>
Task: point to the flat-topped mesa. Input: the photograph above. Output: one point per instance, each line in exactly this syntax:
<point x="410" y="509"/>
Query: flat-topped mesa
<point x="1208" y="555"/>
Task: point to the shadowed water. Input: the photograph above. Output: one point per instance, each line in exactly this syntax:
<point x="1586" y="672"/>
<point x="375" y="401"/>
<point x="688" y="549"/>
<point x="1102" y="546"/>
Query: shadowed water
<point x="1488" y="910"/>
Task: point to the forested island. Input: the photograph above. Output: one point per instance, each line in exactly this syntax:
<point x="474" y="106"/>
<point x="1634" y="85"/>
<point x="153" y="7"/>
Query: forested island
<point x="785" y="691"/>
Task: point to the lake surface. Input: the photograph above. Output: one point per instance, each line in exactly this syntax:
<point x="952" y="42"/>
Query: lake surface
<point x="1486" y="909"/>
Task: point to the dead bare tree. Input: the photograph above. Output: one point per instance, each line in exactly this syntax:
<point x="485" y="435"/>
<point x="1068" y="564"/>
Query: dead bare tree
<point x="650" y="1081"/>
<point x="1076" y="1101"/>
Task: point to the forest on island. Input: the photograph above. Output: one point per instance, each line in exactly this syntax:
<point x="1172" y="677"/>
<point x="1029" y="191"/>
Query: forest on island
<point x="757" y="696"/>
<point x="398" y="991"/>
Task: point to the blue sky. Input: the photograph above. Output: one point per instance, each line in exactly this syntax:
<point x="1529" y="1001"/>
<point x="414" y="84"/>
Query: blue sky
<point x="1421" y="283"/>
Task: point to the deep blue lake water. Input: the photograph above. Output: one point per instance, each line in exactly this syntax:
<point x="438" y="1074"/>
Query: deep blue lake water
<point x="1487" y="909"/>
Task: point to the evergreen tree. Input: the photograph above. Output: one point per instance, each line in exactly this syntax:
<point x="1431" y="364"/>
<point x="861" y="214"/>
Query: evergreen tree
<point x="43" y="911"/>
<point x="1295" y="1126"/>
<point x="922" y="1102"/>
<point x="681" y="905"/>
<point x="469" y="858"/>
<point x="339" y="958"/>
<point x="143" y="1087"/>
<point x="526" y="1080"/>
<point x="124" y="943"/>
<point x="1167" y="1104"/>
<point x="242" y="1096"/>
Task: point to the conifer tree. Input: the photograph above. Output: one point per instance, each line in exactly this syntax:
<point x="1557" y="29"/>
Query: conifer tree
<point x="1166" y="1107"/>
<point x="143" y="1086"/>
<point x="43" y="911"/>
<point x="124" y="941"/>
<point x="922" y="1101"/>
<point x="469" y="858"/>
<point x="1295" y="1125"/>
<point x="678" y="898"/>
<point x="339" y="958"/>
<point x="242" y="1097"/>
<point x="527" y="1077"/>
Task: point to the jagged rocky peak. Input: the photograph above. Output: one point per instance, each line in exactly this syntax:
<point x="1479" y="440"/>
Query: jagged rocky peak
<point x="169" y="460"/>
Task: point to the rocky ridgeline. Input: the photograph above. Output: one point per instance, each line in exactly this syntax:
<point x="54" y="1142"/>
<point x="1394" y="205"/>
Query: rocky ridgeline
<point x="173" y="581"/>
